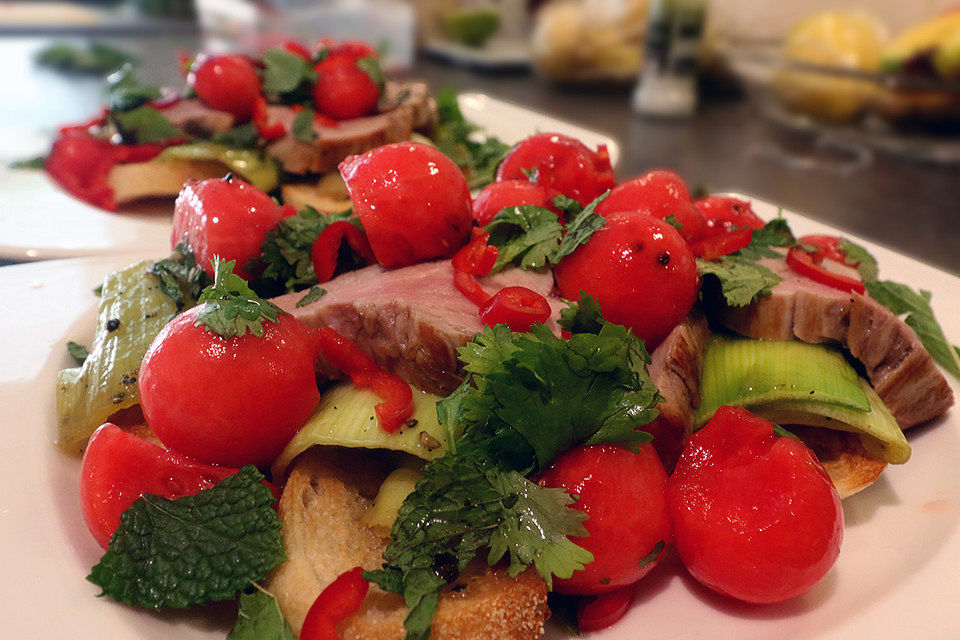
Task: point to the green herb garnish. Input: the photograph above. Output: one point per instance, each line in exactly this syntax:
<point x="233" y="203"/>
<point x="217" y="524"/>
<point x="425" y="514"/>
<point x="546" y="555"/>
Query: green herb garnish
<point x="232" y="308"/>
<point x="260" y="618"/>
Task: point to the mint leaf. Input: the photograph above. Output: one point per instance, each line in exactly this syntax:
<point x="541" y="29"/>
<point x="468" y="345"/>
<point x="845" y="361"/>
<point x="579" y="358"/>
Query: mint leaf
<point x="302" y="127"/>
<point x="29" y="163"/>
<point x="78" y="352"/>
<point x="144" y="124"/>
<point x="259" y="618"/>
<point x="244" y="136"/>
<point x="673" y="222"/>
<point x="232" y="308"/>
<point x="285" y="264"/>
<point x="741" y="280"/>
<point x="196" y="549"/>
<point x="313" y="295"/>
<point x="181" y="277"/>
<point x="125" y="92"/>
<point x="902" y="300"/>
<point x="284" y="71"/>
<point x="859" y="257"/>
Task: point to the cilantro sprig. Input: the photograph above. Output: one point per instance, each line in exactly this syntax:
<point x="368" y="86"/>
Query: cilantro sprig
<point x="741" y="278"/>
<point x="527" y="398"/>
<point x="534" y="236"/>
<point x="195" y="549"/>
<point x="232" y="308"/>
<point x="461" y="141"/>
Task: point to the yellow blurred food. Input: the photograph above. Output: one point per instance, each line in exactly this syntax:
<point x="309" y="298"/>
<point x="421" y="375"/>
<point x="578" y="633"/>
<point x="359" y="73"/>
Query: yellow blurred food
<point x="851" y="40"/>
<point x="938" y="38"/>
<point x="586" y="40"/>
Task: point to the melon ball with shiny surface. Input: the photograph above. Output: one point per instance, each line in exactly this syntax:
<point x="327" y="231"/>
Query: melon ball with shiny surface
<point x="640" y="271"/>
<point x="412" y="200"/>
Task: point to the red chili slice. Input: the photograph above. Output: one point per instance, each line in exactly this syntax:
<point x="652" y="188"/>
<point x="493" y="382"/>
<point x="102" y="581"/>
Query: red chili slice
<point x="396" y="395"/>
<point x="517" y="307"/>
<point x="599" y="612"/>
<point x="81" y="163"/>
<point x="340" y="600"/>
<point x="810" y="265"/>
<point x="469" y="287"/>
<point x="326" y="248"/>
<point x="723" y="244"/>
<point x="260" y="119"/>
<point x="477" y="257"/>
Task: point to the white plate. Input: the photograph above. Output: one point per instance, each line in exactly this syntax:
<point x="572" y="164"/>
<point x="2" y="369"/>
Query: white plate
<point x="898" y="575"/>
<point x="39" y="221"/>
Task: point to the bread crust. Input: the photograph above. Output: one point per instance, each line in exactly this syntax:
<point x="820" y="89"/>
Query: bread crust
<point x="327" y="492"/>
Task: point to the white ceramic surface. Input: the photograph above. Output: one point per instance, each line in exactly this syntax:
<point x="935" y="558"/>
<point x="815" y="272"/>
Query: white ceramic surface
<point x="898" y="575"/>
<point x="40" y="221"/>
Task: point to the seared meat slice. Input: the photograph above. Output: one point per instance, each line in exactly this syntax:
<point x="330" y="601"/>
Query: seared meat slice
<point x="899" y="368"/>
<point x="411" y="320"/>
<point x="405" y="108"/>
<point x="675" y="370"/>
<point x="197" y="118"/>
<point x="326" y="494"/>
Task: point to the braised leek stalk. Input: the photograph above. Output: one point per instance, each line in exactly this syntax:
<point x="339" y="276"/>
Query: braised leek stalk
<point x="250" y="165"/>
<point x="345" y="417"/>
<point x="798" y="383"/>
<point x="133" y="309"/>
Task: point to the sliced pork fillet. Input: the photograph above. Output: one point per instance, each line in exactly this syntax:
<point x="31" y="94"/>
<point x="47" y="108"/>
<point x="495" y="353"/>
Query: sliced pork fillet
<point x="404" y="109"/>
<point x="675" y="370"/>
<point x="197" y="118"/>
<point x="901" y="371"/>
<point x="411" y="320"/>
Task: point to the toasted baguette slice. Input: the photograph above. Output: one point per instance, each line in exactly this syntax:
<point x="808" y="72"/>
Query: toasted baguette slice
<point x="158" y="178"/>
<point x="326" y="494"/>
<point x="843" y="457"/>
<point x="328" y="194"/>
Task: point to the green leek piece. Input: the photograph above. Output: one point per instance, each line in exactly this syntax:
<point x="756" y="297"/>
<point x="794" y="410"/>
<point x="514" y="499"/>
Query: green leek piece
<point x="746" y="372"/>
<point x="394" y="490"/>
<point x="249" y="164"/>
<point x="879" y="432"/>
<point x="133" y="309"/>
<point x="345" y="417"/>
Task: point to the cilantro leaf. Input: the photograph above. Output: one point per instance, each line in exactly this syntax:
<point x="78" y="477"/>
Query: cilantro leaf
<point x="284" y="71"/>
<point x="78" y="352"/>
<point x="544" y="510"/>
<point x="674" y="222"/>
<point x="145" y="124"/>
<point x="527" y="398"/>
<point x="455" y="137"/>
<point x="302" y="127"/>
<point x="775" y="233"/>
<point x="901" y="299"/>
<point x="535" y="236"/>
<point x="651" y="557"/>
<point x="244" y="136"/>
<point x="527" y="232"/>
<point x="259" y="618"/>
<point x="313" y="295"/>
<point x="285" y="264"/>
<point x="862" y="259"/>
<point x="582" y="316"/>
<point x="29" y="163"/>
<point x="195" y="549"/>
<point x="181" y="277"/>
<point x="583" y="225"/>
<point x="741" y="280"/>
<point x="126" y="92"/>
<point x="95" y="58"/>
<point x="568" y="206"/>
<point x="370" y="65"/>
<point x="232" y="308"/>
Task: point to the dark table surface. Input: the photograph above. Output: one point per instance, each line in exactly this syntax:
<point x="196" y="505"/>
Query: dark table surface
<point x="909" y="206"/>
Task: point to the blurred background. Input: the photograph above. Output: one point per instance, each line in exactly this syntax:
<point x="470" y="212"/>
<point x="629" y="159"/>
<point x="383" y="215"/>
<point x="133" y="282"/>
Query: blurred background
<point x="846" y="111"/>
